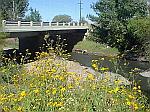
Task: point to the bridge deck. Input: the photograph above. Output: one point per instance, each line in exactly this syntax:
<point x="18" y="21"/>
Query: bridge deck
<point x="35" y="28"/>
<point x="19" y="26"/>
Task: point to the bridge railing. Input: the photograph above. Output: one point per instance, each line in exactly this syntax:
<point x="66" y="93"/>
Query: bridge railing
<point x="40" y="24"/>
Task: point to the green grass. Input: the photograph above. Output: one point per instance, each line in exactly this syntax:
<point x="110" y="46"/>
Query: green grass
<point x="92" y="47"/>
<point x="8" y="43"/>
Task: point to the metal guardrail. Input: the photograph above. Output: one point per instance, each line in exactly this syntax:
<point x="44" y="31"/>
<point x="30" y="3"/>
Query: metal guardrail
<point x="40" y="24"/>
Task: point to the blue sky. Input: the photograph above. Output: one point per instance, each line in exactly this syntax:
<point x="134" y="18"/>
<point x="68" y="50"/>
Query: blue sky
<point x="49" y="8"/>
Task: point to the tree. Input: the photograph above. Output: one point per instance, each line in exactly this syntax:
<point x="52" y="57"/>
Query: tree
<point x="62" y="18"/>
<point x="34" y="16"/>
<point x="140" y="29"/>
<point x="111" y="23"/>
<point x="13" y="9"/>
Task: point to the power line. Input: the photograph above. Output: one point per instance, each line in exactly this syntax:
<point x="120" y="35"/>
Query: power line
<point x="80" y="3"/>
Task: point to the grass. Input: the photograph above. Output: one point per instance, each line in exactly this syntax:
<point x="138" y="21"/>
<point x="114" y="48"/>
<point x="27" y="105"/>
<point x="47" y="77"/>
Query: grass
<point x="47" y="86"/>
<point x="9" y="43"/>
<point x="92" y="47"/>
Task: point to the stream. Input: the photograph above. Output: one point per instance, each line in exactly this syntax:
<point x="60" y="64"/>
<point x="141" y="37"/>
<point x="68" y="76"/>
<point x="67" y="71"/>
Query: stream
<point x="119" y="66"/>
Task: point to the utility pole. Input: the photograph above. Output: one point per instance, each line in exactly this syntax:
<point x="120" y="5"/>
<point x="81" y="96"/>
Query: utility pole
<point x="13" y="10"/>
<point x="80" y="3"/>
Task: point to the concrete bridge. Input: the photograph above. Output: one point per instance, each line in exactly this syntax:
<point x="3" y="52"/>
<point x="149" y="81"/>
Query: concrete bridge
<point x="31" y="34"/>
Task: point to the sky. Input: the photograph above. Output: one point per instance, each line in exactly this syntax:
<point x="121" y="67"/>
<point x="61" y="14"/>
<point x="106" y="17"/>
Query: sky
<point x="50" y="8"/>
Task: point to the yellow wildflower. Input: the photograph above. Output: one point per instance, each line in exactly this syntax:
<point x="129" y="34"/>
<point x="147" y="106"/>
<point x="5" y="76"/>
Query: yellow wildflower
<point x="53" y="70"/>
<point x="23" y="94"/>
<point x="58" y="65"/>
<point x="63" y="89"/>
<point x="15" y="99"/>
<point x="56" y="76"/>
<point x="19" y="109"/>
<point x="61" y="78"/>
<point x="104" y="69"/>
<point x="31" y="85"/>
<point x="54" y="104"/>
<point x="128" y="103"/>
<point x="135" y="106"/>
<point x="134" y="88"/>
<point x="139" y="91"/>
<point x="47" y="91"/>
<point x="70" y="86"/>
<point x="36" y="91"/>
<point x="139" y="87"/>
<point x="111" y="91"/>
<point x="54" y="91"/>
<point x="90" y="76"/>
<point x="49" y="103"/>
<point x="131" y="96"/>
<point x="116" y="89"/>
<point x="60" y="104"/>
<point x="94" y="65"/>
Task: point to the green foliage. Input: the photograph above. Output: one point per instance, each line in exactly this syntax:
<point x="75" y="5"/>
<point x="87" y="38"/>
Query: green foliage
<point x="62" y="18"/>
<point x="13" y="10"/>
<point x="140" y="29"/>
<point x="34" y="16"/>
<point x="112" y="21"/>
<point x="8" y="71"/>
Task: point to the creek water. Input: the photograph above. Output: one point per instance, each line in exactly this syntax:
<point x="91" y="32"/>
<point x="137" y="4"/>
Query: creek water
<point x="120" y="66"/>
